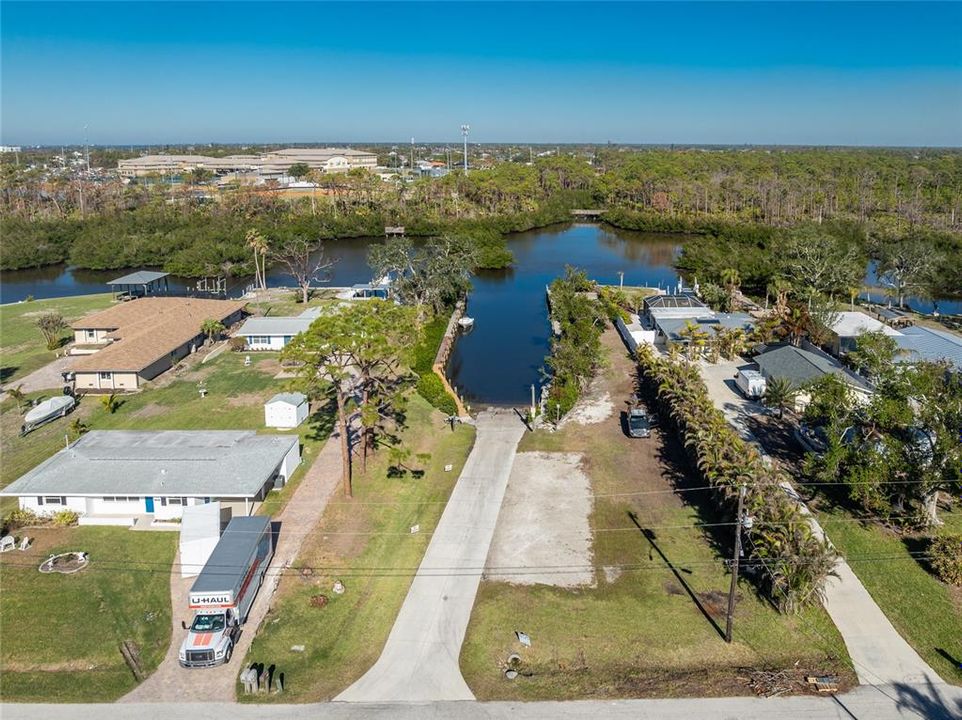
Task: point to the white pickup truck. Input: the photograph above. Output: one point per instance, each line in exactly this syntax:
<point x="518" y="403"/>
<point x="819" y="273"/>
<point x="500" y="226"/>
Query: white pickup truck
<point x="223" y="593"/>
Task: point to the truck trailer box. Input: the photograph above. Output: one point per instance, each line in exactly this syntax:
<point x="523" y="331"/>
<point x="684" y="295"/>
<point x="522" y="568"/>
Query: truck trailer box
<point x="235" y="569"/>
<point x="751" y="383"/>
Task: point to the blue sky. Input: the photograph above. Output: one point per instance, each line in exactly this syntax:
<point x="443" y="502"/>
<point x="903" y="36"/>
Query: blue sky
<point x="792" y="73"/>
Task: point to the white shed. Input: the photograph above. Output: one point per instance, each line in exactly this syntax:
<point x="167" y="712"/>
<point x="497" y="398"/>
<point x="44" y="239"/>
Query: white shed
<point x="285" y="410"/>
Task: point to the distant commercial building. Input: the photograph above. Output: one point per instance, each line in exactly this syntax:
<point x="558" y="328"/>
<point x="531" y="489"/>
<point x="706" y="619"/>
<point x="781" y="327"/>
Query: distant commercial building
<point x="9" y="148"/>
<point x="269" y="165"/>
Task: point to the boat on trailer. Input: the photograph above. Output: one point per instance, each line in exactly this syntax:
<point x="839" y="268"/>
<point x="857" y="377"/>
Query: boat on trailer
<point x="47" y="411"/>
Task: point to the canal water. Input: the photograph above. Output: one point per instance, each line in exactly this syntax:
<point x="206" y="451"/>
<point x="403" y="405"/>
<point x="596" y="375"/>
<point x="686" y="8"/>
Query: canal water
<point x="499" y="360"/>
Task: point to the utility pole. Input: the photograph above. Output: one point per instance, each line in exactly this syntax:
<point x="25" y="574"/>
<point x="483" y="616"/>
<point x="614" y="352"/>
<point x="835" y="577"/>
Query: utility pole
<point x="464" y="133"/>
<point x="532" y="401"/>
<point x="738" y="552"/>
<point x="86" y="149"/>
<point x="621" y="279"/>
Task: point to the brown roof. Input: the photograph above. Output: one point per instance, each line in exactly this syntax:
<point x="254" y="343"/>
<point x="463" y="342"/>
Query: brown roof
<point x="148" y="329"/>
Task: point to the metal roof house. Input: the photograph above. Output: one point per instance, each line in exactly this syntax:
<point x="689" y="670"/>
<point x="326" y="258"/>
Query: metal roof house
<point x="140" y="283"/>
<point x="113" y="477"/>
<point x="669" y="315"/>
<point x="272" y="333"/>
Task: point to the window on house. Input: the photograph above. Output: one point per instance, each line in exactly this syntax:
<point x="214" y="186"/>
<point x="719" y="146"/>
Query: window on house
<point x="53" y="500"/>
<point x="120" y="498"/>
<point x="106" y="375"/>
<point x="176" y="501"/>
<point x="91" y="334"/>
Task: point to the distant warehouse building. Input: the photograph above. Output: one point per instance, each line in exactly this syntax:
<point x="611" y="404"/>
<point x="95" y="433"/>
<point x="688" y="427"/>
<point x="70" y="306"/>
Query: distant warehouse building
<point x="269" y="165"/>
<point x="114" y="477"/>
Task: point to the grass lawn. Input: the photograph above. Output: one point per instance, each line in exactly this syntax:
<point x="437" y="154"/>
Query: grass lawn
<point x="288" y="304"/>
<point x="234" y="401"/>
<point x="925" y="611"/>
<point x="21" y="345"/>
<point x="638" y="631"/>
<point x="367" y="544"/>
<point x="62" y="633"/>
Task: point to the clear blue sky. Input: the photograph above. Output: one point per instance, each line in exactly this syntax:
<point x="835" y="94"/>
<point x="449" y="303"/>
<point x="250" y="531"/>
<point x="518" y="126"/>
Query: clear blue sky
<point x="794" y="73"/>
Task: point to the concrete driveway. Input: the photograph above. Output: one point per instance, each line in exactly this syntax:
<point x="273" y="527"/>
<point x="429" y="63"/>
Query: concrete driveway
<point x="419" y="662"/>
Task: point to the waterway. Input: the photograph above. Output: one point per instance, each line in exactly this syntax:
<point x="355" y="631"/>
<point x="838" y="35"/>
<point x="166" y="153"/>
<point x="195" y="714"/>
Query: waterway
<point x="499" y="360"/>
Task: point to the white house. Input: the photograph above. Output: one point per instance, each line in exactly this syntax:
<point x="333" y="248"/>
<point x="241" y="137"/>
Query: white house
<point x="272" y="333"/>
<point x="112" y="477"/>
<point x="286" y="410"/>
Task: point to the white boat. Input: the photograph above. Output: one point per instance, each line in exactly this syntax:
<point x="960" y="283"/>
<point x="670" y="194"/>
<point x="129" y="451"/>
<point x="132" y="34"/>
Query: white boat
<point x="466" y="322"/>
<point x="47" y="411"/>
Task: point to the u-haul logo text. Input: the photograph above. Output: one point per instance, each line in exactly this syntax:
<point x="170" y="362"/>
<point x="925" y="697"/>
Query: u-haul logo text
<point x="221" y="599"/>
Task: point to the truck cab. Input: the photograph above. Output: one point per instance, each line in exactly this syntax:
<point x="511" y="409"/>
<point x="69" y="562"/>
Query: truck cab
<point x="210" y="638"/>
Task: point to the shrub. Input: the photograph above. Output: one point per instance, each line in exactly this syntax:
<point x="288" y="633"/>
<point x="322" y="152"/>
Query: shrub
<point x="18" y="518"/>
<point x="64" y="518"/>
<point x="946" y="557"/>
<point x="432" y="389"/>
<point x="238" y="343"/>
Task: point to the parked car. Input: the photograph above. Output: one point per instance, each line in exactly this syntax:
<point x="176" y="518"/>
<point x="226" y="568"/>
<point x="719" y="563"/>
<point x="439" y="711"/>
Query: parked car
<point x="638" y="424"/>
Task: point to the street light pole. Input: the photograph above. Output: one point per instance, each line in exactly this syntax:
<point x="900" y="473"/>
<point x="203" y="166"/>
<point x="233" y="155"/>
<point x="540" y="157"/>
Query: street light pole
<point x="738" y="551"/>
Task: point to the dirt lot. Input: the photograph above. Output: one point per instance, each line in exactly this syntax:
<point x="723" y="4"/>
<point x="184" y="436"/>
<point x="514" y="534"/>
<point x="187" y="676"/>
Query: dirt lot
<point x="543" y="523"/>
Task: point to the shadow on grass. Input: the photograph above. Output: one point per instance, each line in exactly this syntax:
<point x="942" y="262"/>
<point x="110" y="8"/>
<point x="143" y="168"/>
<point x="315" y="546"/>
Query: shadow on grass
<point x="650" y="537"/>
<point x="8" y="372"/>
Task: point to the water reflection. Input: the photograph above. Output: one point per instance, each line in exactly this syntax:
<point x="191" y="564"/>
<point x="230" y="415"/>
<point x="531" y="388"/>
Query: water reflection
<point x="497" y="362"/>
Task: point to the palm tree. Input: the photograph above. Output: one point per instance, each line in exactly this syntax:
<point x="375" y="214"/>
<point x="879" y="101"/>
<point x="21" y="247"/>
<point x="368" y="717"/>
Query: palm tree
<point x="731" y="280"/>
<point x="18" y="395"/>
<point x="258" y="244"/>
<point x="110" y="403"/>
<point x="212" y="328"/>
<point x="779" y="393"/>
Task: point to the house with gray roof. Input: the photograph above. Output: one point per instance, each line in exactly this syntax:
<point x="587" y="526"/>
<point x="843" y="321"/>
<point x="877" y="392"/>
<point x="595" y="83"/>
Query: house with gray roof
<point x="803" y="366"/>
<point x="114" y="477"/>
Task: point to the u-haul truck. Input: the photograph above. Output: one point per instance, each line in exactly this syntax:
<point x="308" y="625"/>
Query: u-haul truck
<point x="222" y="595"/>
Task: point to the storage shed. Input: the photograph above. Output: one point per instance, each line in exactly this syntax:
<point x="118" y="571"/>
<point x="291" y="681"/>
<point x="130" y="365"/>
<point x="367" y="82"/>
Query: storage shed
<point x="286" y="410"/>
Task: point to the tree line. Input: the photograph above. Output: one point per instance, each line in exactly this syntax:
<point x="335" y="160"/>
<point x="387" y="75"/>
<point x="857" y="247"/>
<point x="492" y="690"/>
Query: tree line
<point x="746" y="197"/>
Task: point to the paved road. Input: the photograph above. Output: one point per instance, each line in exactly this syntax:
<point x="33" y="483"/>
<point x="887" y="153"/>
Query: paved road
<point x="864" y="703"/>
<point x="879" y="653"/>
<point x="172" y="683"/>
<point x="419" y="662"/>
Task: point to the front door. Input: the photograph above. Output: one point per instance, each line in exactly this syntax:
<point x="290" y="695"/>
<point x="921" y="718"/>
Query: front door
<point x="149" y="503"/>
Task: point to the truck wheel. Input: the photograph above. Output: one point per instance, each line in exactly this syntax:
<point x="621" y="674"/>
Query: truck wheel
<point x="228" y="653"/>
